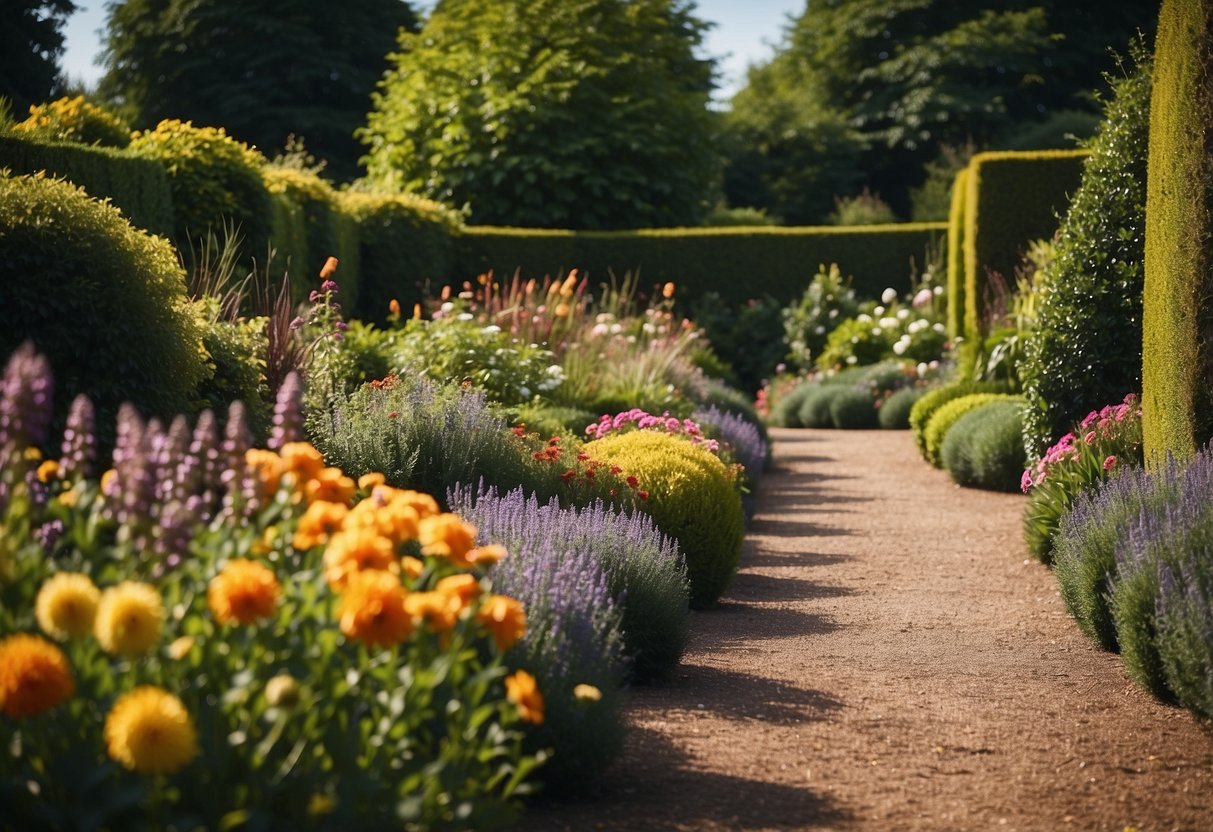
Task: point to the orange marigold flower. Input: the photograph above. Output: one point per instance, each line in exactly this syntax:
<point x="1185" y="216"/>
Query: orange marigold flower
<point x="372" y="609"/>
<point x="48" y="471"/>
<point x="520" y="688"/>
<point x="302" y="460"/>
<point x="244" y="591"/>
<point x="504" y="618"/>
<point x="329" y="269"/>
<point x="150" y="731"/>
<point x="395" y="520"/>
<point x="67" y="605"/>
<point x="354" y="550"/>
<point x="330" y="485"/>
<point x="393" y="306"/>
<point x="319" y="522"/>
<point x="419" y="501"/>
<point x="129" y="618"/>
<point x="413" y="567"/>
<point x="368" y="481"/>
<point x="465" y="587"/>
<point x="447" y="536"/>
<point x="267" y="466"/>
<point x="34" y="675"/>
<point x="487" y="555"/>
<point x="437" y="609"/>
<point x="667" y="291"/>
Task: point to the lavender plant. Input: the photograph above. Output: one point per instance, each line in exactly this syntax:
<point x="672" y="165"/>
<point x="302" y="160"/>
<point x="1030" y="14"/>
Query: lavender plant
<point x="740" y="438"/>
<point x="645" y="571"/>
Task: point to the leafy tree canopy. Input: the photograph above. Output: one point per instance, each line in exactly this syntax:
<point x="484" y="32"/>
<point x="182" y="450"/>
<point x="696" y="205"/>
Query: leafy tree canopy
<point x="31" y="40"/>
<point x="557" y="113"/>
<point x="262" y="69"/>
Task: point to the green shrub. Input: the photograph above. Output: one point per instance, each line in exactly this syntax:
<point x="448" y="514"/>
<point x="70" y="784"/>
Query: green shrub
<point x="214" y="179"/>
<point x="851" y="408"/>
<point x="984" y="449"/>
<point x="786" y="411"/>
<point x="894" y="414"/>
<point x="942" y="420"/>
<point x="102" y="300"/>
<point x="1133" y="602"/>
<point x="236" y="367"/>
<point x="692" y="499"/>
<point x="405" y="243"/>
<point x="856" y="341"/>
<point x="743" y="336"/>
<point x="1086" y="346"/>
<point x="552" y="420"/>
<point x="827" y="302"/>
<point x="139" y="187"/>
<point x="956" y="263"/>
<point x="75" y="120"/>
<point x="815" y="407"/>
<point x="933" y="399"/>
<point x="1178" y="223"/>
<point x="737" y="263"/>
<point x="865" y="208"/>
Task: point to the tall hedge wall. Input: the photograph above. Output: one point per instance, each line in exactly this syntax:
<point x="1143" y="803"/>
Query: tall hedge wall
<point x="738" y="263"/>
<point x="1013" y="197"/>
<point x="1177" y="317"/>
<point x="137" y="187"/>
<point x="956" y="260"/>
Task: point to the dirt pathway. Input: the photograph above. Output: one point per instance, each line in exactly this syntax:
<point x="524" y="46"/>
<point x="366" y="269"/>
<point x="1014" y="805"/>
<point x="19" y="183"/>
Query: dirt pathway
<point x="887" y="659"/>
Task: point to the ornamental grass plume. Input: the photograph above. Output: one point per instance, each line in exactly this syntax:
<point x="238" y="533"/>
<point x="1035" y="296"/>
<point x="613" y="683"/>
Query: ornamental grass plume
<point x="149" y="731"/>
<point x="66" y="606"/>
<point x="129" y="618"/>
<point x="372" y="609"/>
<point x="34" y="676"/>
<point x="244" y="591"/>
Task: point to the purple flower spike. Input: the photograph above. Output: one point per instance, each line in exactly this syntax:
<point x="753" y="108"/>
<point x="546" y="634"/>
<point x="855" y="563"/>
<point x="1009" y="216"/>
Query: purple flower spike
<point x="288" y="413"/>
<point x="26" y="399"/>
<point x="79" y="450"/>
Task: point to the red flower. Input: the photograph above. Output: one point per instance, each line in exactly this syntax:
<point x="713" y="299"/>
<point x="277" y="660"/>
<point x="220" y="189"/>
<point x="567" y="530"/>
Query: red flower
<point x="632" y="482"/>
<point x="568" y="475"/>
<point x="642" y="494"/>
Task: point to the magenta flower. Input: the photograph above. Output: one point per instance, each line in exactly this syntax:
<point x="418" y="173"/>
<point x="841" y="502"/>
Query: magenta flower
<point x="1025" y="482"/>
<point x="1109" y="463"/>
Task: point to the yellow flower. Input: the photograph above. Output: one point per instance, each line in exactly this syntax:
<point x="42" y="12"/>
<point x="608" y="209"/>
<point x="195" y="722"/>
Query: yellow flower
<point x="129" y="618"/>
<point x="504" y="618"/>
<point x="68" y="499"/>
<point x="354" y="550"/>
<point x="486" y="555"/>
<point x="34" y="675"/>
<point x="244" y="591"/>
<point x="372" y="609"/>
<point x="321" y="804"/>
<point x="587" y="693"/>
<point x="67" y="605"/>
<point x="107" y="480"/>
<point x="447" y="536"/>
<point x="181" y="648"/>
<point x="520" y="688"/>
<point x="329" y="269"/>
<point x="330" y="485"/>
<point x="48" y="471"/>
<point x="318" y="523"/>
<point x="395" y="519"/>
<point x="32" y="454"/>
<point x="150" y="731"/>
<point x="283" y="691"/>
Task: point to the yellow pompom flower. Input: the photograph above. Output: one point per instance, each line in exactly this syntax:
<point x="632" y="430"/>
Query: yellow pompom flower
<point x="34" y="676"/>
<point x="150" y="731"/>
<point x="372" y="609"/>
<point x="129" y="618"/>
<point x="520" y="688"/>
<point x="447" y="536"/>
<point x="394" y="519"/>
<point x="67" y="605"/>
<point x="243" y="591"/>
<point x="354" y="550"/>
<point x="504" y="618"/>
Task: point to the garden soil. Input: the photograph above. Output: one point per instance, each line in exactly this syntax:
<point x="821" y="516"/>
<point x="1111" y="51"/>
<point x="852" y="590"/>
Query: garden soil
<point x="889" y="658"/>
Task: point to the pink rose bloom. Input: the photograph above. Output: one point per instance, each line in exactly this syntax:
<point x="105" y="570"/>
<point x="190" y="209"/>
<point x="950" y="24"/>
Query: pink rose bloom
<point x="1109" y="463"/>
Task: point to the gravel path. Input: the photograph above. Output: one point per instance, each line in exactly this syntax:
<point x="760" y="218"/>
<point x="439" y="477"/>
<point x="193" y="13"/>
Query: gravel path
<point x="888" y="659"/>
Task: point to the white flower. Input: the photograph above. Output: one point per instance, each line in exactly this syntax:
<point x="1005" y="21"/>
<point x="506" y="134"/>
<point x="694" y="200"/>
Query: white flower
<point x="864" y="318"/>
<point x="878" y="311"/>
<point x="465" y="316"/>
<point x="938" y="290"/>
<point x="852" y="359"/>
<point x="525" y="392"/>
<point x="616" y="329"/>
<point x="940" y="328"/>
<point x="888" y="295"/>
<point x="900" y="347"/>
<point x="600" y="329"/>
<point x="923" y="297"/>
<point x="833" y="314"/>
<point x="491" y="329"/>
<point x="922" y="369"/>
<point x="902" y="314"/>
<point x="888" y="323"/>
<point x="877" y="332"/>
<point x="556" y="370"/>
<point x="447" y="307"/>
<point x="819" y="330"/>
<point x="854" y="339"/>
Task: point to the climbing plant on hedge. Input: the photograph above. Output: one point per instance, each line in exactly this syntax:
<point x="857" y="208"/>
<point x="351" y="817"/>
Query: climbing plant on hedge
<point x="1178" y="319"/>
<point x="1087" y="344"/>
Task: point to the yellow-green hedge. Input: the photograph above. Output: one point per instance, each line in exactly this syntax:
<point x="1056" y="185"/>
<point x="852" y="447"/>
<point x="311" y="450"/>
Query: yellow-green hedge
<point x="1176" y="365"/>
<point x="137" y="187"/>
<point x="956" y="260"/>
<point x="1012" y="198"/>
<point x="738" y="263"/>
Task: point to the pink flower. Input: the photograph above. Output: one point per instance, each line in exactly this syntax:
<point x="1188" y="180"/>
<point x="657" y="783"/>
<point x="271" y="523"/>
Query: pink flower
<point x="1109" y="463"/>
<point x="1090" y="420"/>
<point x="1025" y="482"/>
<point x="1089" y="438"/>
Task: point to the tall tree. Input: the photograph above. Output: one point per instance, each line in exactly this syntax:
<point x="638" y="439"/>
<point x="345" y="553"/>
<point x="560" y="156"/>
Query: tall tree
<point x="558" y="113"/>
<point x="31" y="40"/>
<point x="262" y="69"/>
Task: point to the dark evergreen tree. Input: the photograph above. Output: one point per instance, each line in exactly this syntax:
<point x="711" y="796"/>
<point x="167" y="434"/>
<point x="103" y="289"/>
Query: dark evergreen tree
<point x="31" y="40"/>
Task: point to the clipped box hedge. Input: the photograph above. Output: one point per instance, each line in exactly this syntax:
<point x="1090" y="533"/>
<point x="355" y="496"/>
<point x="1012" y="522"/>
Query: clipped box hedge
<point x="138" y="187"/>
<point x="1176" y="365"/>
<point x="738" y="263"/>
<point x="956" y="259"/>
<point x="1011" y="198"/>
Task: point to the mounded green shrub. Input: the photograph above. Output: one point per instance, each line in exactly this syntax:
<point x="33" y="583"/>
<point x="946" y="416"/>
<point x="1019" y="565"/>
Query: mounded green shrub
<point x="852" y="408"/>
<point x="139" y="187"/>
<point x="894" y="414"/>
<point x="691" y="498"/>
<point x="75" y="120"/>
<point x="786" y="411"/>
<point x="1133" y="604"/>
<point x="736" y="263"/>
<point x="956" y="261"/>
<point x="942" y="420"/>
<point x="815" y="406"/>
<point x="214" y="179"/>
<point x="552" y="420"/>
<point x="1177" y="393"/>
<point x="102" y="300"/>
<point x="984" y="449"/>
<point x="1086" y="346"/>
<point x="235" y="356"/>
<point x="933" y="399"/>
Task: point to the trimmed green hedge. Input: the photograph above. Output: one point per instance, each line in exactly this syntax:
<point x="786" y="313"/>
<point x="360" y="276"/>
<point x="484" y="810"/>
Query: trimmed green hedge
<point x="137" y="187"/>
<point x="1012" y="198"/>
<point x="737" y="263"/>
<point x="1176" y="390"/>
<point x="956" y="260"/>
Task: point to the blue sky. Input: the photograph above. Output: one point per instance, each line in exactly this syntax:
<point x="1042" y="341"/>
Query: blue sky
<point x="745" y="32"/>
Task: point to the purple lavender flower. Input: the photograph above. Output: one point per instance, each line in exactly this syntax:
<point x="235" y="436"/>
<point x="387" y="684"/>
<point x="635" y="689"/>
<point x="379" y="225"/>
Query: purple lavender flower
<point x="48" y="535"/>
<point x="234" y="476"/>
<point x="288" y="413"/>
<point x="26" y="399"/>
<point x="79" y="449"/>
<point x="748" y="446"/>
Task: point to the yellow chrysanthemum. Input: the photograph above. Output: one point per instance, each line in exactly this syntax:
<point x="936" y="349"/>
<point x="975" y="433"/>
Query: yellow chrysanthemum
<point x="318" y="523"/>
<point x="150" y="731"/>
<point x="413" y="567"/>
<point x="330" y="485"/>
<point x="419" y="501"/>
<point x="504" y="618"/>
<point x="447" y="536"/>
<point x="372" y="609"/>
<point x="129" y="618"/>
<point x="520" y="688"/>
<point x="67" y="605"/>
<point x="34" y="675"/>
<point x="244" y="591"/>
<point x="353" y="550"/>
